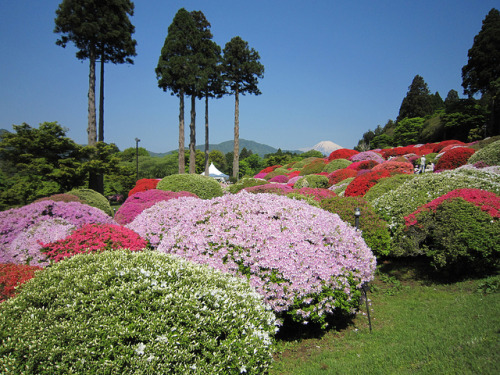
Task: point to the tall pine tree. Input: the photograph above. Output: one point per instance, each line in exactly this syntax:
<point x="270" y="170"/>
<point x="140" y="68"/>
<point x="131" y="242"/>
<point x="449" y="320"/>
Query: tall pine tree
<point x="418" y="102"/>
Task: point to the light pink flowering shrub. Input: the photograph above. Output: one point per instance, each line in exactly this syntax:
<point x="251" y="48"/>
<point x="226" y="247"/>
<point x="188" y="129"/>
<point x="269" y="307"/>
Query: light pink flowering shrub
<point x="282" y="179"/>
<point x="367" y="155"/>
<point x="306" y="262"/>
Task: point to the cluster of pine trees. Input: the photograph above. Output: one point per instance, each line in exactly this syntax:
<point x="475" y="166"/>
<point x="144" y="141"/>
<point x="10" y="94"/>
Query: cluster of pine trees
<point x="424" y="117"/>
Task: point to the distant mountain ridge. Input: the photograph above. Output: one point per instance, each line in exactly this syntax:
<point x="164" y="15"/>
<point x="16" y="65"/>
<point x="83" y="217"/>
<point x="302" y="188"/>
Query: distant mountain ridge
<point x="325" y="147"/>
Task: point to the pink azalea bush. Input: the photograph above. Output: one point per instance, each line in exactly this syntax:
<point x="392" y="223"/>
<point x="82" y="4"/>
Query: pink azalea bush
<point x="138" y="202"/>
<point x="305" y="261"/>
<point x="270" y="188"/>
<point x="15" y="221"/>
<point x="281" y="179"/>
<point x="394" y="167"/>
<point x="487" y="201"/>
<point x="367" y="155"/>
<point x="317" y="193"/>
<point x="93" y="238"/>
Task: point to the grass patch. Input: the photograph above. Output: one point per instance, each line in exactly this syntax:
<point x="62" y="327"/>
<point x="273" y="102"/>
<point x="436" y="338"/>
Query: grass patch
<point x="420" y="326"/>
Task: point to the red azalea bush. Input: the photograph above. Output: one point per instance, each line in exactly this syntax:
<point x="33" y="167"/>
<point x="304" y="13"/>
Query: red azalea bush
<point x="397" y="151"/>
<point x="317" y="193"/>
<point x="394" y="167"/>
<point x="343" y="153"/>
<point x="487" y="201"/>
<point x="143" y="185"/>
<point x="366" y="164"/>
<point x="93" y="238"/>
<point x="13" y="275"/>
<point x="142" y="200"/>
<point x="293" y="174"/>
<point x="280" y="179"/>
<point x="454" y="158"/>
<point x="340" y="174"/>
<point x="269" y="169"/>
<point x="441" y="145"/>
<point x="361" y="184"/>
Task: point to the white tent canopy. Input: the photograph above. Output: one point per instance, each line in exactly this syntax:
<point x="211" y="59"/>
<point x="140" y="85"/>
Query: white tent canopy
<point x="215" y="173"/>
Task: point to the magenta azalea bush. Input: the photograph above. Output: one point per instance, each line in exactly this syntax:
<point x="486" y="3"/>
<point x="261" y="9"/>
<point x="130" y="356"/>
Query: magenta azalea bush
<point x="367" y="155"/>
<point x="138" y="202"/>
<point x="306" y="262"/>
<point x="94" y="238"/>
<point x="15" y="221"/>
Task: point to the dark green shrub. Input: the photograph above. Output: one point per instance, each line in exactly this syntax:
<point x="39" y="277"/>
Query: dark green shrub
<point x="94" y="199"/>
<point x="457" y="236"/>
<point x="312" y="181"/>
<point x="119" y="312"/>
<point x="375" y="231"/>
<point x="203" y="186"/>
<point x="336" y="164"/>
<point x="244" y="183"/>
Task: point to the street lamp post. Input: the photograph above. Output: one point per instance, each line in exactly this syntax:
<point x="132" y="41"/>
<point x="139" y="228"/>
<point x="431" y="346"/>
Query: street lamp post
<point x="357" y="214"/>
<point x="137" y="140"/>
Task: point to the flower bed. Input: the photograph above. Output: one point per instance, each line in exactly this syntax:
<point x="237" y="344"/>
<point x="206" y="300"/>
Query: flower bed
<point x="143" y="185"/>
<point x="367" y="155"/>
<point x="454" y="158"/>
<point x="359" y="165"/>
<point x="343" y="153"/>
<point x="12" y="276"/>
<point x="361" y="184"/>
<point x="394" y="167"/>
<point x="305" y="261"/>
<point x="340" y="175"/>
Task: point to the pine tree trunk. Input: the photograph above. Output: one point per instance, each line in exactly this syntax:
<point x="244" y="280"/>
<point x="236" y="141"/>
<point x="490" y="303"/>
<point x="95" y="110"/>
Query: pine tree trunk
<point x="192" y="137"/>
<point x="101" y="102"/>
<point x="206" y="135"/>
<point x="181" y="133"/>
<point x="236" y="157"/>
<point x="91" y="130"/>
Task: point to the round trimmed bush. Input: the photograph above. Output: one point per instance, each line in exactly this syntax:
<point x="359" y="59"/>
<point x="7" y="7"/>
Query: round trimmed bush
<point x="144" y="184"/>
<point x="135" y="313"/>
<point x="306" y="262"/>
<point x="361" y="184"/>
<point x="317" y="194"/>
<point x="341" y="174"/>
<point x="454" y="158"/>
<point x="312" y="181"/>
<point x="269" y="188"/>
<point x="203" y="186"/>
<point x="314" y="166"/>
<point x="94" y="199"/>
<point x="336" y="164"/>
<point x="375" y="231"/>
<point x="281" y="179"/>
<point x="490" y="154"/>
<point x="387" y="184"/>
<point x="360" y="165"/>
<point x="340" y="187"/>
<point x="244" y="183"/>
<point x="61" y="198"/>
<point x="342" y="153"/>
<point x="367" y="155"/>
<point x="394" y="167"/>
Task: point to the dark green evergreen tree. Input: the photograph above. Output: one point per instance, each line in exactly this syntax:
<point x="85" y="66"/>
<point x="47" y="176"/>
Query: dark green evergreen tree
<point x="418" y="101"/>
<point x="481" y="74"/>
<point x="241" y="70"/>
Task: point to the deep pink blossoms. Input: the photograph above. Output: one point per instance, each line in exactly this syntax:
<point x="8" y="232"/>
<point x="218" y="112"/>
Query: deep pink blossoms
<point x="305" y="261"/>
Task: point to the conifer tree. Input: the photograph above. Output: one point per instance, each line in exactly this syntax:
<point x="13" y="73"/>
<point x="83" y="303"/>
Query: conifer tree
<point x="418" y="102"/>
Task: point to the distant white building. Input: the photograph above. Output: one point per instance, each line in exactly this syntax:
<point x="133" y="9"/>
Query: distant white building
<point x="215" y="173"/>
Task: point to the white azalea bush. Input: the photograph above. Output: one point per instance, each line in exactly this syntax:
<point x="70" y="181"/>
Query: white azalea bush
<point x="125" y="312"/>
<point x="306" y="262"/>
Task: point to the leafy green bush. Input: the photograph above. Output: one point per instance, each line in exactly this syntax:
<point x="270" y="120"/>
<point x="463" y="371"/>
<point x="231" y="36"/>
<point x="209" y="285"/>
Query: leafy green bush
<point x="314" y="166"/>
<point x="301" y="163"/>
<point x="340" y="187"/>
<point x="375" y="231"/>
<point x="336" y="164"/>
<point x="244" y="183"/>
<point x="490" y="154"/>
<point x="203" y="186"/>
<point x="387" y="184"/>
<point x="313" y="181"/>
<point x="119" y="312"/>
<point x="457" y="236"/>
<point x="94" y="199"/>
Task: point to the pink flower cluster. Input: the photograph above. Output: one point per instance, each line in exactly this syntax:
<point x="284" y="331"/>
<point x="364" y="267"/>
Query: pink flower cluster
<point x="367" y="155"/>
<point x="291" y="252"/>
<point x="138" y="202"/>
<point x="94" y="238"/>
<point x="486" y="200"/>
<point x="394" y="167"/>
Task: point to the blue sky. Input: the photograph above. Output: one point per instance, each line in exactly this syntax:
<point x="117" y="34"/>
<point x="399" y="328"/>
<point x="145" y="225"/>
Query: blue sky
<point x="333" y="69"/>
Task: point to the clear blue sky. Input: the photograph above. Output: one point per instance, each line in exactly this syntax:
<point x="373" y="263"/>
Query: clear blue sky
<point x="333" y="69"/>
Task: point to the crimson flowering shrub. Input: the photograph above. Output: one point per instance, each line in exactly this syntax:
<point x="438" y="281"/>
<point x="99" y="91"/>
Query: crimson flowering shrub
<point x="441" y="145"/>
<point x="144" y="184"/>
<point x="282" y="179"/>
<point x="343" y="153"/>
<point x="397" y="151"/>
<point x="138" y="202"/>
<point x="454" y="158"/>
<point x="394" y="167"/>
<point x="15" y="221"/>
<point x="361" y="184"/>
<point x="293" y="174"/>
<point x="487" y="201"/>
<point x="367" y="155"/>
<point x="306" y="262"/>
<point x="12" y="276"/>
<point x="270" y="188"/>
<point x="269" y="169"/>
<point x="92" y="238"/>
<point x="340" y="175"/>
<point x="366" y="164"/>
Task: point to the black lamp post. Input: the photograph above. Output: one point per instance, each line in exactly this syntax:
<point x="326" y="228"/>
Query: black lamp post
<point x="137" y="140"/>
<point x="357" y="214"/>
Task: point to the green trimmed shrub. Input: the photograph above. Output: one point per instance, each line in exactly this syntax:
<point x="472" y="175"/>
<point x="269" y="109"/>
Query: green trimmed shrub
<point x="387" y="184"/>
<point x="244" y="183"/>
<point x="336" y="164"/>
<point x="457" y="236"/>
<point x="490" y="154"/>
<point x="203" y="186"/>
<point x="120" y="312"/>
<point x="340" y="187"/>
<point x="301" y="163"/>
<point x="314" y="166"/>
<point x="94" y="199"/>
<point x="277" y="172"/>
<point x="313" y="181"/>
<point x="375" y="231"/>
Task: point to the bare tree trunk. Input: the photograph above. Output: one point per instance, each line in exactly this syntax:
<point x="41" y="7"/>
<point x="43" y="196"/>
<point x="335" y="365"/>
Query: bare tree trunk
<point x="91" y="130"/>
<point x="181" y="133"/>
<point x="236" y="157"/>
<point x="206" y="135"/>
<point x="101" y="102"/>
<point x="192" y="137"/>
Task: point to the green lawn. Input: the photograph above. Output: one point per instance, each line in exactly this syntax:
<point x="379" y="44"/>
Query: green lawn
<point x="419" y="327"/>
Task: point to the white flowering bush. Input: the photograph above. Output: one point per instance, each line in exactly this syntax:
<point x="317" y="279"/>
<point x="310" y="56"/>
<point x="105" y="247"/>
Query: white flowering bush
<point x="306" y="262"/>
<point x="125" y="312"/>
<point x="407" y="197"/>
